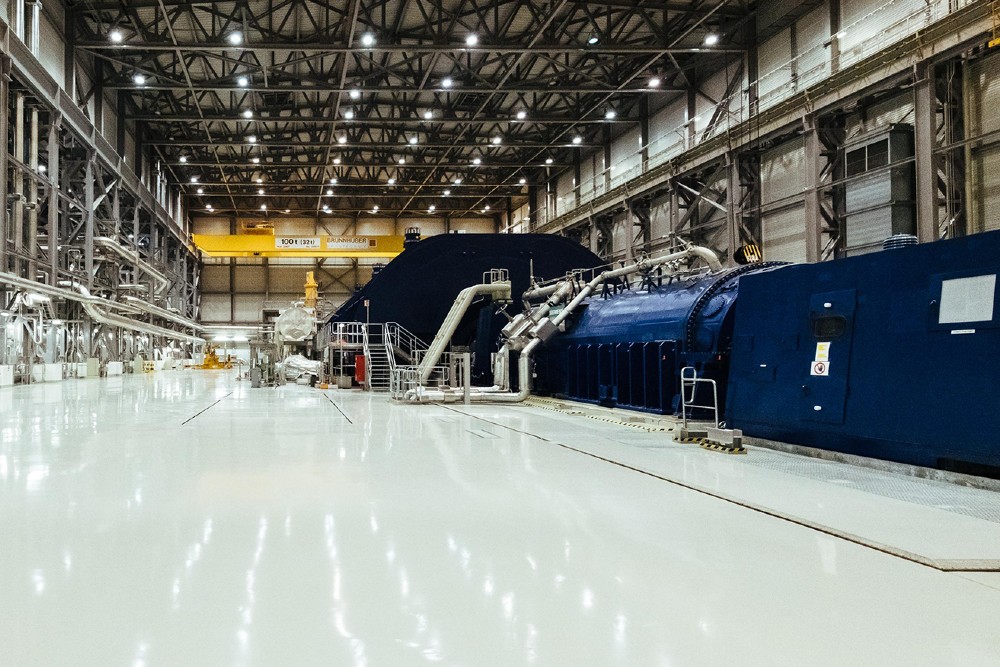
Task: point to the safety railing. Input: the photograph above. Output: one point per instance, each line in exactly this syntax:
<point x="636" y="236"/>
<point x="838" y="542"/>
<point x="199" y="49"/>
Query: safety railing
<point x="404" y="379"/>
<point x="690" y="381"/>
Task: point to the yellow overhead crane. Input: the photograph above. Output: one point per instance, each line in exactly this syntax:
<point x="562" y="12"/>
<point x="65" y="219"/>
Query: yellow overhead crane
<point x="259" y="245"/>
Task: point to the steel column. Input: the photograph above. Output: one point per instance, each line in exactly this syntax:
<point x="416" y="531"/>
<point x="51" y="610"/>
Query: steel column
<point x="924" y="122"/>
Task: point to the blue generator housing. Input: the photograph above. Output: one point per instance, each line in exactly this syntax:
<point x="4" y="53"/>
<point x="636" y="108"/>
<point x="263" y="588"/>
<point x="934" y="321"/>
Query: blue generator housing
<point x="626" y="349"/>
<point x="893" y="355"/>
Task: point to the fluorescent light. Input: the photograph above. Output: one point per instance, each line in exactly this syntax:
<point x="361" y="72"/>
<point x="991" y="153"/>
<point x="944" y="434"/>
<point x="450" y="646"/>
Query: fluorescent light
<point x="248" y="114"/>
<point x="235" y="38"/>
<point x="139" y="78"/>
<point x="594" y="39"/>
<point x="653" y="83"/>
<point x="116" y="36"/>
<point x="243" y="82"/>
<point x="355" y="94"/>
<point x="472" y="39"/>
<point x="711" y="39"/>
<point x="446" y="82"/>
<point x="368" y="39"/>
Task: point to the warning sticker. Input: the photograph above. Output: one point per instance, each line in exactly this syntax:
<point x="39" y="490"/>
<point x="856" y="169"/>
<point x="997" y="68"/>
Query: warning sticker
<point x="822" y="352"/>
<point x="820" y="368"/>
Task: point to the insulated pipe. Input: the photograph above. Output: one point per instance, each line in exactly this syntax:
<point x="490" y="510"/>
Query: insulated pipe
<point x="133" y="256"/>
<point x="163" y="312"/>
<point x="124" y="322"/>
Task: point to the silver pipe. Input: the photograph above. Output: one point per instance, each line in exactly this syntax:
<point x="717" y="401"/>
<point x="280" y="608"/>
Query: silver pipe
<point x="163" y="312"/>
<point x="133" y="256"/>
<point x="124" y="322"/>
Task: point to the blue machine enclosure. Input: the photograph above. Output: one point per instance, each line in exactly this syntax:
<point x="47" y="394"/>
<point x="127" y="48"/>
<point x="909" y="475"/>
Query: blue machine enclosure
<point x="627" y="349"/>
<point x="892" y="355"/>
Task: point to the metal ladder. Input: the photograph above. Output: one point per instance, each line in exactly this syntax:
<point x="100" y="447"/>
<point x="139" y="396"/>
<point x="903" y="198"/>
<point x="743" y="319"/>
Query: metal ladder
<point x="690" y="381"/>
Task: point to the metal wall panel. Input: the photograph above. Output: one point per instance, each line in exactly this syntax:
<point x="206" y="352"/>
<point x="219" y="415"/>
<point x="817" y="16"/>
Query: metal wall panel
<point x="215" y="278"/>
<point x="783" y="172"/>
<point x="666" y="131"/>
<point x="773" y="63"/>
<point x="784" y="235"/>
<point x="215" y="308"/>
<point x="625" y="157"/>
<point x="983" y="117"/>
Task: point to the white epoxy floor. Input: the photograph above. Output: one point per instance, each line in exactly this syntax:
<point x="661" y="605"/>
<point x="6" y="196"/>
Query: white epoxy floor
<point x="296" y="527"/>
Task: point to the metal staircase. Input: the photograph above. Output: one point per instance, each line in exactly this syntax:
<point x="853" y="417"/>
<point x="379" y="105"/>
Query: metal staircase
<point x="378" y="366"/>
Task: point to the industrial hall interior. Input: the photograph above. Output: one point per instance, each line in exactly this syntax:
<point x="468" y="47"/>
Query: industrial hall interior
<point x="489" y="333"/>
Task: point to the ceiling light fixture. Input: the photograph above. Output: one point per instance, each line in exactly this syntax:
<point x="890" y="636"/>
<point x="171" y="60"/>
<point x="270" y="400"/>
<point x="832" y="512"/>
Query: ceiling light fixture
<point x="577" y="140"/>
<point x="431" y="208"/>
<point x="194" y="179"/>
<point x="243" y="82"/>
<point x="486" y="208"/>
<point x="260" y="180"/>
<point x="392" y="181"/>
<point x="252" y="138"/>
<point x="447" y="82"/>
<point x="653" y="83"/>
<point x="477" y="161"/>
<point x="336" y="160"/>
<point x="472" y="39"/>
<point x="413" y="141"/>
<point x="201" y="191"/>
<point x="349" y="114"/>
<point x="183" y="159"/>
<point x="248" y="114"/>
<point x="260" y="191"/>
<point x="711" y="39"/>
<point x="116" y="36"/>
<point x="594" y="39"/>
<point x="496" y="141"/>
<point x="446" y="193"/>
<point x="428" y="115"/>
<point x="375" y="208"/>
<point x="235" y="38"/>
<point x="401" y="160"/>
<point x="548" y="160"/>
<point x="333" y="181"/>
<point x="139" y="78"/>
<point x="329" y="192"/>
<point x="355" y="94"/>
<point x="342" y="139"/>
<point x="521" y="115"/>
<point x="263" y="207"/>
<point x="457" y="181"/>
<point x="610" y="114"/>
<point x="522" y="181"/>
<point x="368" y="40"/>
<point x="255" y="160"/>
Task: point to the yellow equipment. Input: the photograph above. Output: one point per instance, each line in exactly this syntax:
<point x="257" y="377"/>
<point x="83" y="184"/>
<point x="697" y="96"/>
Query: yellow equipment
<point x="312" y="291"/>
<point x="212" y="361"/>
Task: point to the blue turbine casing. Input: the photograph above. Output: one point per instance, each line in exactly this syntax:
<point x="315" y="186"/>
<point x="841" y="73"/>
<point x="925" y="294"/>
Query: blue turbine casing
<point x="627" y="349"/>
<point x="898" y="384"/>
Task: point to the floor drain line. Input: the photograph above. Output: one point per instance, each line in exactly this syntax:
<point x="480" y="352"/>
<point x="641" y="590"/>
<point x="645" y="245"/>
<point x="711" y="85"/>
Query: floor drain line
<point x="206" y="409"/>
<point x="338" y="409"/>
